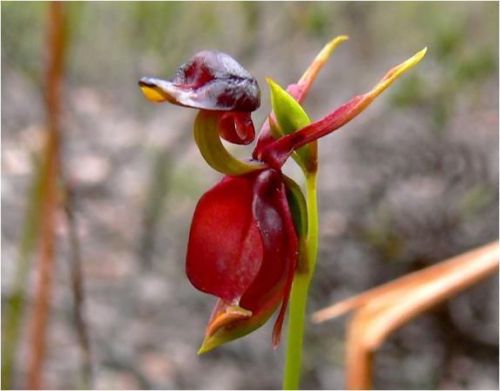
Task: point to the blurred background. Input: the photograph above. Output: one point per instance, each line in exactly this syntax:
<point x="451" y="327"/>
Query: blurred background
<point x="410" y="182"/>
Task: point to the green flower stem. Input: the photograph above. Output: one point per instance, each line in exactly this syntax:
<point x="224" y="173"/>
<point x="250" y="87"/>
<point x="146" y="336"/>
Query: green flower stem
<point x="300" y="289"/>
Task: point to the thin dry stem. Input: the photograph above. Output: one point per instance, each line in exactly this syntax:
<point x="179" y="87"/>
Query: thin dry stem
<point x="395" y="287"/>
<point x="49" y="201"/>
<point x="359" y="359"/>
<point x="77" y="287"/>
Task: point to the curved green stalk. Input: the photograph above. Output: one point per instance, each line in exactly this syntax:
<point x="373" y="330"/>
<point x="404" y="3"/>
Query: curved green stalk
<point x="206" y="135"/>
<point x="300" y="289"/>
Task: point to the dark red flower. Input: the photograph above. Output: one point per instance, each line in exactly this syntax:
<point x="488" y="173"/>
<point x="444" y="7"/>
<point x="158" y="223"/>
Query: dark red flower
<point x="243" y="244"/>
<point x="243" y="249"/>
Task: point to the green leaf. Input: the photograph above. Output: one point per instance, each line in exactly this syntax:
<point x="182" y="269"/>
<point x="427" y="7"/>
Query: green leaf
<point x="290" y="117"/>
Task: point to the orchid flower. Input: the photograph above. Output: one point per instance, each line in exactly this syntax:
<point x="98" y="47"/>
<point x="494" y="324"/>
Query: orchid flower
<point x="254" y="234"/>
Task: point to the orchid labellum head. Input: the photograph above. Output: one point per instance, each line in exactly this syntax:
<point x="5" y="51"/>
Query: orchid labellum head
<point x="212" y="81"/>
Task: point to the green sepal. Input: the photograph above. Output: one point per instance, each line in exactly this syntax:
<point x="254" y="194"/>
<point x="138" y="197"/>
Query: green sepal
<point x="206" y="135"/>
<point x="229" y="322"/>
<point x="290" y="117"/>
<point x="298" y="209"/>
<point x="236" y="330"/>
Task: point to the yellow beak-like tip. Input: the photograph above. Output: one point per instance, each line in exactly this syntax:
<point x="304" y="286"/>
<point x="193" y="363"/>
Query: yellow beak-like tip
<point x="152" y="93"/>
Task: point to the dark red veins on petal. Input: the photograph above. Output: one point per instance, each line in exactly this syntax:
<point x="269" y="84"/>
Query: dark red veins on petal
<point x="225" y="249"/>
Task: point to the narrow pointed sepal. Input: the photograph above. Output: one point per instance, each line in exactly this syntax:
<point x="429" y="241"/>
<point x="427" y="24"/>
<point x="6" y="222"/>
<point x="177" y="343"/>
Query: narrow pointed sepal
<point x="396" y="72"/>
<point x="300" y="89"/>
<point x="276" y="153"/>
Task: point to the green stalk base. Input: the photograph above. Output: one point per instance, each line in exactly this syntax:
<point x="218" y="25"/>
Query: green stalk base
<point x="298" y="296"/>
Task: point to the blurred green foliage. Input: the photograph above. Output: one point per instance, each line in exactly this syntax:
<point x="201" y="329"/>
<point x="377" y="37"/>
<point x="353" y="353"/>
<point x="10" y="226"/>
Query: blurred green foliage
<point x="461" y="64"/>
<point x="23" y="51"/>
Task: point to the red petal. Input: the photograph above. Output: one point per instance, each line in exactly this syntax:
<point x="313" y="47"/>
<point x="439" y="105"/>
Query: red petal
<point x="280" y="243"/>
<point x="291" y="267"/>
<point x="225" y="249"/>
<point x="263" y="196"/>
<point x="237" y="128"/>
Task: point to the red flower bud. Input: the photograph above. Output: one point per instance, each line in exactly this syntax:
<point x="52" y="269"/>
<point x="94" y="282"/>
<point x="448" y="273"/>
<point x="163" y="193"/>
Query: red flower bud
<point x="243" y="249"/>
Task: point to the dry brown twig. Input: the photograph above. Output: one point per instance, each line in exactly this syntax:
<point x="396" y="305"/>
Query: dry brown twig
<point x="382" y="310"/>
<point x="49" y="203"/>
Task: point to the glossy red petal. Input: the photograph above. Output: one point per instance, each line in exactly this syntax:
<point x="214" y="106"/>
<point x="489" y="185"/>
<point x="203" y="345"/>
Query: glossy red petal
<point x="225" y="249"/>
<point x="237" y="127"/>
<point x="292" y="262"/>
<point x="280" y="244"/>
<point x="249" y="300"/>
